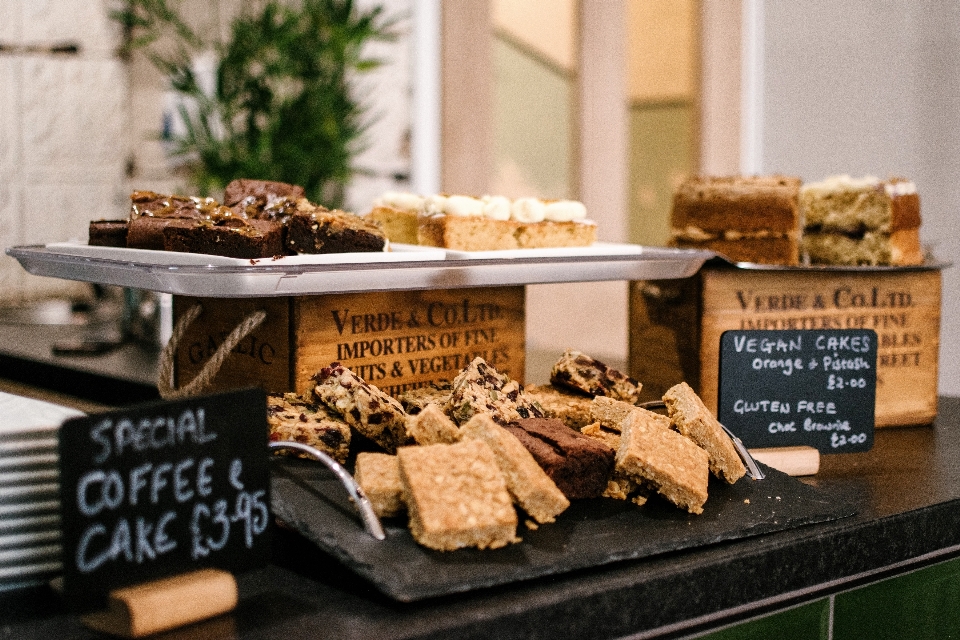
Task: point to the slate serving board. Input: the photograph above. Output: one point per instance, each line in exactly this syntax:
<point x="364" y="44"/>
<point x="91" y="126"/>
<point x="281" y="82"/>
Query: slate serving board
<point x="590" y="533"/>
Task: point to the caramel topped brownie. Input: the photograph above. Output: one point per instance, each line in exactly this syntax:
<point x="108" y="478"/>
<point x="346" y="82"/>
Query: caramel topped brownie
<point x="480" y="389"/>
<point x="260" y="191"/>
<point x="580" y="372"/>
<point x="232" y="237"/>
<point x="363" y="406"/>
<point x="292" y="418"/>
<point x="316" y="229"/>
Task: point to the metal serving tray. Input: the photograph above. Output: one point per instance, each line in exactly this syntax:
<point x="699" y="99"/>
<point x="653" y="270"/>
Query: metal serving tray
<point x="209" y="276"/>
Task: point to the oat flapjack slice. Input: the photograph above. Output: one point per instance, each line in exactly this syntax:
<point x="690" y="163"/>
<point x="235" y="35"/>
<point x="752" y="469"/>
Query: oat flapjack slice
<point x="691" y="417"/>
<point x="529" y="485"/>
<point x="456" y="496"/>
<point x="378" y="474"/>
<point x="662" y="458"/>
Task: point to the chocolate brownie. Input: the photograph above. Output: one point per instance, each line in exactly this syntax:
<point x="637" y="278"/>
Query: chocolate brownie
<point x="108" y="233"/>
<point x="260" y="190"/>
<point x="579" y="465"/>
<point x="151" y="213"/>
<point x="229" y="236"/>
<point x="316" y="229"/>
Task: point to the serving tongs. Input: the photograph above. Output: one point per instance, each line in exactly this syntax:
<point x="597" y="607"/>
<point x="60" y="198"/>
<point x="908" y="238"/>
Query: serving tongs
<point x="753" y="469"/>
<point x="370" y="520"/>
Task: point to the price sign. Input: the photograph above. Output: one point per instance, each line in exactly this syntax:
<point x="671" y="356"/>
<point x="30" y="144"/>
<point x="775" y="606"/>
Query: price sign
<point x="787" y="388"/>
<point x="162" y="489"/>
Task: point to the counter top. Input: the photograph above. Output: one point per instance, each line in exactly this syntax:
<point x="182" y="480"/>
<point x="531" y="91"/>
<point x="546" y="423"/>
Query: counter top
<point x="906" y="491"/>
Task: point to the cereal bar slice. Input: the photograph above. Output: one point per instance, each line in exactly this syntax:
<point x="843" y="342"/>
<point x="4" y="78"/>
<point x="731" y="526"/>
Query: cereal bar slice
<point x="578" y="371"/>
<point x="291" y="417"/>
<point x="480" y="389"/>
<point x="432" y="426"/>
<point x="378" y="474"/>
<point x="363" y="406"/>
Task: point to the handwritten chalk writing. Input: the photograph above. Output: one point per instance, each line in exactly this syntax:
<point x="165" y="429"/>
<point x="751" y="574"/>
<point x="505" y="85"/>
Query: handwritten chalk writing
<point x="99" y="490"/>
<point x="819" y="406"/>
<point x="742" y="406"/>
<point x="765" y="345"/>
<point x="146" y="542"/>
<point x="834" y="363"/>
<point x="779" y="427"/>
<point x="838" y="440"/>
<point x="809" y="424"/>
<point x="153" y="433"/>
<point x="857" y="344"/>
<point x="837" y="382"/>
<point x="785" y="365"/>
<point x="781" y="388"/>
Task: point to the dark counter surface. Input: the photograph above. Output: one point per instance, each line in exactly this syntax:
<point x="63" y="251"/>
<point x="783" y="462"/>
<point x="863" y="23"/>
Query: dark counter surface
<point x="906" y="491"/>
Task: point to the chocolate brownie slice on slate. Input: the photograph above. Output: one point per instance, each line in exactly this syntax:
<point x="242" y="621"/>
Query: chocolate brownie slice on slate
<point x="579" y="465"/>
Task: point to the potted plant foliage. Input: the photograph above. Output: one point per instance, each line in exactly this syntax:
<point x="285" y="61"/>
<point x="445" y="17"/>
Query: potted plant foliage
<point x="280" y="105"/>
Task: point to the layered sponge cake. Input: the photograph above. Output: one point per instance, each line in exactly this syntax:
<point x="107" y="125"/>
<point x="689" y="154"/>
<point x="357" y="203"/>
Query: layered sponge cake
<point x="746" y="218"/>
<point x="779" y="220"/>
<point x="861" y="221"/>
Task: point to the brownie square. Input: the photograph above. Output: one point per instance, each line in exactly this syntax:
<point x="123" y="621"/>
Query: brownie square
<point x="579" y="465"/>
<point x="229" y="236"/>
<point x="319" y="230"/>
<point x="108" y="233"/>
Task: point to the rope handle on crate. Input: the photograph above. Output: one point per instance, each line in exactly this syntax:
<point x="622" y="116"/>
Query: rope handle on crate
<point x="202" y="380"/>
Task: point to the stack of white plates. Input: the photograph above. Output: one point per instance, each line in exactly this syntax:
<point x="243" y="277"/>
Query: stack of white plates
<point x="29" y="500"/>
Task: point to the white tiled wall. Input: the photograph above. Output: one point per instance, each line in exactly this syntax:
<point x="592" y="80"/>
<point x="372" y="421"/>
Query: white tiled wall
<point x="70" y="124"/>
<point x="62" y="124"/>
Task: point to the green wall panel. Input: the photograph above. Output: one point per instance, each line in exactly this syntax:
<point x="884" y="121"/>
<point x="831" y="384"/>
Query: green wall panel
<point x="807" y="622"/>
<point x="923" y="604"/>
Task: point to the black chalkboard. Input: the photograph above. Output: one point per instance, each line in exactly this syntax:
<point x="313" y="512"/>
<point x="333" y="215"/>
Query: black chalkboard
<point x="787" y="388"/>
<point x="163" y="488"/>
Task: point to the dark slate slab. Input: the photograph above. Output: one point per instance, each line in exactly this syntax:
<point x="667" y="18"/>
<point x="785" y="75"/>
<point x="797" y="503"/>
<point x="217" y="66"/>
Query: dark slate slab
<point x="590" y="533"/>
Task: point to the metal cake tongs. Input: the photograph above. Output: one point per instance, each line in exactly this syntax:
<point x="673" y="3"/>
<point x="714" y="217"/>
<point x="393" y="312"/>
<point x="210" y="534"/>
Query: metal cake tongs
<point x="370" y="520"/>
<point x="753" y="469"/>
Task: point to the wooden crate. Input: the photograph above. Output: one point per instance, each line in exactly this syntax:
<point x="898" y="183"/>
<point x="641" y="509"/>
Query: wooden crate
<point x="395" y="340"/>
<point x="675" y="327"/>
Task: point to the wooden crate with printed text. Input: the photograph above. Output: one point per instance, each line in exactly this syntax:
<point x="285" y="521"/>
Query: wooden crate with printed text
<point x="675" y="326"/>
<point x="396" y="340"/>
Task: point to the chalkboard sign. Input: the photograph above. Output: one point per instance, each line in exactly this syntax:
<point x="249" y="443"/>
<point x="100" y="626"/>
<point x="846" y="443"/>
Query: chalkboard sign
<point x="161" y="489"/>
<point x="787" y="388"/>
